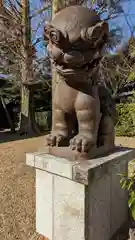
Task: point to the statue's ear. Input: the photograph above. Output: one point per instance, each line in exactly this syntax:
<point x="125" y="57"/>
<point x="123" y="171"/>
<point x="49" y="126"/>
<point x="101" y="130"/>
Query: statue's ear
<point x="47" y="29"/>
<point x="95" y="34"/>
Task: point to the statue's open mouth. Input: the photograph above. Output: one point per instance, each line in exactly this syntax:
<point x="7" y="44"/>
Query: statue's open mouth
<point x="64" y="69"/>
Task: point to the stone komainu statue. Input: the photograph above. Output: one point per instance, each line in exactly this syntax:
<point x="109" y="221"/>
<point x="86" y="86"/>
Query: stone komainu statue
<point x="83" y="109"/>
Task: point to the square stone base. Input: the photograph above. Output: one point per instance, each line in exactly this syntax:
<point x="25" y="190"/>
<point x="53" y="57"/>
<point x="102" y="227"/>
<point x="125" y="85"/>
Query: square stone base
<point x="80" y="200"/>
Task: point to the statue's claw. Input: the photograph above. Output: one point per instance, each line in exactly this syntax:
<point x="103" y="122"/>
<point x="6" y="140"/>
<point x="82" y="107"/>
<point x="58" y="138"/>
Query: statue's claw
<point x="80" y="143"/>
<point x="55" y="140"/>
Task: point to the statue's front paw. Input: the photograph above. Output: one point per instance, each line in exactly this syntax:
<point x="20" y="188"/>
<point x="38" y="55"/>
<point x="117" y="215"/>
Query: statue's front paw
<point x="55" y="140"/>
<point x="81" y="143"/>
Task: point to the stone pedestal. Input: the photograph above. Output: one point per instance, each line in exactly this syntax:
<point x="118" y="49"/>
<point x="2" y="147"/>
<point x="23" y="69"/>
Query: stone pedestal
<point x="80" y="200"/>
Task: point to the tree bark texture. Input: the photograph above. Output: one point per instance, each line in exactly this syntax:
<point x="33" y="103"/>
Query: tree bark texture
<point x="27" y="116"/>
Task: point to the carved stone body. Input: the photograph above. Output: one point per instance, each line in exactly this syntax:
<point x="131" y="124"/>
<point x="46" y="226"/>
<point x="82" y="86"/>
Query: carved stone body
<point x="83" y="110"/>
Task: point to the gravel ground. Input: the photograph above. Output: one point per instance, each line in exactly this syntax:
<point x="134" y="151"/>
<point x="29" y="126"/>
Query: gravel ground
<point x="126" y="141"/>
<point x="17" y="191"/>
<point x="17" y="187"/>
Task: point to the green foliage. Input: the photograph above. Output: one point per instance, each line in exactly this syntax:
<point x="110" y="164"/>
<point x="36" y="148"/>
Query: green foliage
<point x="43" y="119"/>
<point x="131" y="76"/>
<point x="126" y="119"/>
<point x="128" y="183"/>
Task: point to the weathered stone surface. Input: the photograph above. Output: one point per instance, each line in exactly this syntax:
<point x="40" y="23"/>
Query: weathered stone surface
<point x="80" y="200"/>
<point x="44" y="203"/>
<point x="99" y="198"/>
<point x="69" y="209"/>
<point x="119" y="197"/>
<point x="49" y="163"/>
<point x="79" y="170"/>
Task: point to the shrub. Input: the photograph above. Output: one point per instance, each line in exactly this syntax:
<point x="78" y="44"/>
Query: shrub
<point x="128" y="183"/>
<point x="126" y="119"/>
<point x="43" y="120"/>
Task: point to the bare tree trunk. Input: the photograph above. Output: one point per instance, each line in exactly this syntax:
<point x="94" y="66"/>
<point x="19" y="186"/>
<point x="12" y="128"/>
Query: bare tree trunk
<point x="2" y="98"/>
<point x="1" y="3"/>
<point x="27" y="121"/>
<point x="26" y="61"/>
<point x="7" y="114"/>
<point x="57" y="5"/>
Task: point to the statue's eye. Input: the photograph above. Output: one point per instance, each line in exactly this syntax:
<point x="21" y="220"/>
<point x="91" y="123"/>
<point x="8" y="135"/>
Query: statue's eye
<point x="56" y="36"/>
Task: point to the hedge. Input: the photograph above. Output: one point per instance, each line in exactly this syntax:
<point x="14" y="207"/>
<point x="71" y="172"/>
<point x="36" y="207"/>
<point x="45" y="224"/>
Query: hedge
<point x="126" y="119"/>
